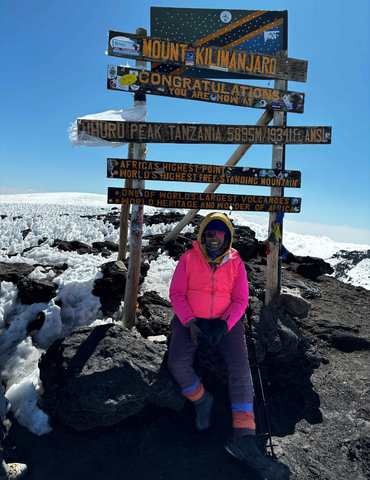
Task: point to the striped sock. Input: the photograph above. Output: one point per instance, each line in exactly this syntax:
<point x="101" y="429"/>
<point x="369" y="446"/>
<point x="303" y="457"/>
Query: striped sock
<point x="194" y="393"/>
<point x="243" y="419"/>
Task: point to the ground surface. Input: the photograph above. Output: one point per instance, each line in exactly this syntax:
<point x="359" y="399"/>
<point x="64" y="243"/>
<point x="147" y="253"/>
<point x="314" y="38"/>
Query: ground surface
<point x="321" y="432"/>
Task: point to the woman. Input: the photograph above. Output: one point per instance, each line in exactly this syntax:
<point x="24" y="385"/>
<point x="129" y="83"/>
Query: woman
<point x="209" y="294"/>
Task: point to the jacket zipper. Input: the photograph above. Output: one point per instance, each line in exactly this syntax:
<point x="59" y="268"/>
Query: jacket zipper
<point x="212" y="290"/>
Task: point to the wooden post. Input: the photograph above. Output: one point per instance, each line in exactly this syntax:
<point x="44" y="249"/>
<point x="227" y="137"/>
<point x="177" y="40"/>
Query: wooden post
<point x="136" y="226"/>
<point x="272" y="270"/>
<point x="265" y="119"/>
<point x="125" y="210"/>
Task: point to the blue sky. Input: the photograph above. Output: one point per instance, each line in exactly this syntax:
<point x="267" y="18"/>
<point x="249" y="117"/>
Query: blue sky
<point x="53" y="70"/>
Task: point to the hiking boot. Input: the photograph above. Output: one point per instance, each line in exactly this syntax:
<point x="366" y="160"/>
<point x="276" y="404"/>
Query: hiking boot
<point x="203" y="413"/>
<point x="14" y="471"/>
<point x="245" y="449"/>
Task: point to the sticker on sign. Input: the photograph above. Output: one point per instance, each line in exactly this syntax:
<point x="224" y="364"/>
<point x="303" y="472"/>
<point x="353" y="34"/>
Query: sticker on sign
<point x="125" y="45"/>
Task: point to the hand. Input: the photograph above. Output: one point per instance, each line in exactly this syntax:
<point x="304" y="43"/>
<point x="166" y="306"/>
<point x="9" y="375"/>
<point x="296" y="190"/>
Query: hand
<point x="194" y="332"/>
<point x="218" y="333"/>
<point x="204" y="341"/>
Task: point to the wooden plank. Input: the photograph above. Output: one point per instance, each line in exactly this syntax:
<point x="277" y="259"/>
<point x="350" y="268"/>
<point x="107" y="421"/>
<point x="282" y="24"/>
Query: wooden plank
<point x="124" y="215"/>
<point x="152" y="132"/>
<point x="198" y="173"/>
<point x="136" y="227"/>
<point x="273" y="266"/>
<point x="208" y="201"/>
<point x="129" y="80"/>
<point x="159" y="50"/>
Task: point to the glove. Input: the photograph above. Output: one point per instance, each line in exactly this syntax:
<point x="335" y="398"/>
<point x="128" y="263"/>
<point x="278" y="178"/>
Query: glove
<point x="204" y="341"/>
<point x="218" y="332"/>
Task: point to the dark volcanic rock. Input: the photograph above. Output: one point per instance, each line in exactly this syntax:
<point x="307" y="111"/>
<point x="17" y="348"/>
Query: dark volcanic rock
<point x="74" y="246"/>
<point x="37" y="323"/>
<point x="103" y="375"/>
<point x="245" y="242"/>
<point x="287" y="356"/>
<point x="14" y="272"/>
<point x="314" y="269"/>
<point x="113" y="247"/>
<point x="155" y="315"/>
<point x="175" y="249"/>
<point x="111" y="288"/>
<point x="25" y="233"/>
<point x="36" y="291"/>
<point x="166" y="218"/>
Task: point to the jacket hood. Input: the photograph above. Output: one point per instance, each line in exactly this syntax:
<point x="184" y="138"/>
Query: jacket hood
<point x="209" y="218"/>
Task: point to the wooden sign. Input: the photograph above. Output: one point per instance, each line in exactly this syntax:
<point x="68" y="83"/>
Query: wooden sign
<point x="130" y="80"/>
<point x="152" y="49"/>
<point x="208" y="201"/>
<point x="262" y="31"/>
<point x="190" y="172"/>
<point x="150" y="132"/>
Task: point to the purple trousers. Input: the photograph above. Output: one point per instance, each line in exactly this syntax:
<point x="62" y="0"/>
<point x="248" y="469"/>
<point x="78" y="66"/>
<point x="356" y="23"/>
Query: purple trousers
<point x="233" y="349"/>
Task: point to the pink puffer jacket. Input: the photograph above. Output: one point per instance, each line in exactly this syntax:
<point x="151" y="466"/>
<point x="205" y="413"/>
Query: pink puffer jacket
<point x="196" y="291"/>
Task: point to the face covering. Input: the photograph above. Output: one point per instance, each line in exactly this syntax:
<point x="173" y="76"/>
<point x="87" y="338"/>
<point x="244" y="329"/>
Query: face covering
<point x="213" y="254"/>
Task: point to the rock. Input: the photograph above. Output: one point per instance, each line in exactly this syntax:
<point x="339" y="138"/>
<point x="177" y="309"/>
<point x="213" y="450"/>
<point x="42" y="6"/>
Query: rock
<point x="175" y="249"/>
<point x="285" y="354"/>
<point x="346" y="342"/>
<point x="14" y="272"/>
<point x="111" y="288"/>
<point x="290" y="300"/>
<point x="312" y="267"/>
<point x="74" y="246"/>
<point x="100" y="376"/>
<point x="36" y="291"/>
<point x="158" y="339"/>
<point x="37" y="323"/>
<point x="155" y="315"/>
<point x="25" y="233"/>
<point x="102" y="246"/>
<point x="245" y="242"/>
<point x="166" y="218"/>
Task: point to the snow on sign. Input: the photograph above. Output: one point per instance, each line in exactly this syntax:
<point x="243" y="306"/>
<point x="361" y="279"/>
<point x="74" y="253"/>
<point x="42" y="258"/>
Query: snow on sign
<point x="126" y="79"/>
<point x="153" y="132"/>
<point x="213" y="58"/>
<point x="261" y="31"/>
<point x="191" y="172"/>
<point x="208" y="201"/>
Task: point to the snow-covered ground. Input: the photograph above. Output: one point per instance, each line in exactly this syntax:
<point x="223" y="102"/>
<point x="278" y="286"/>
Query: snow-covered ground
<point x="67" y="216"/>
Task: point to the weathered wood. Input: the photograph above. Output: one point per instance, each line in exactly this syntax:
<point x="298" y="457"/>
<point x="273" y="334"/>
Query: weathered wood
<point x="272" y="267"/>
<point x="198" y="173"/>
<point x="208" y="201"/>
<point x="124" y="216"/>
<point x="171" y="52"/>
<point x="264" y="119"/>
<point x="136" y="225"/>
<point x="129" y="80"/>
<point x="153" y="132"/>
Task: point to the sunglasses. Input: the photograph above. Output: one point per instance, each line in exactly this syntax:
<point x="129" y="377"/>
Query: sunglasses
<point x="211" y="233"/>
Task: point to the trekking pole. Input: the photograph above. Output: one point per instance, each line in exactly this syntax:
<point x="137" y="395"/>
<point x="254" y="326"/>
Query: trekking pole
<point x="262" y="393"/>
<point x="7" y="437"/>
<point x="258" y="420"/>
